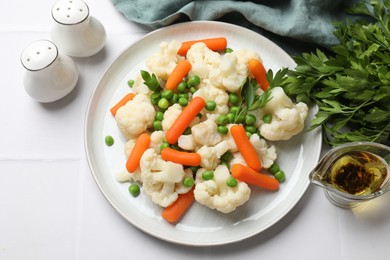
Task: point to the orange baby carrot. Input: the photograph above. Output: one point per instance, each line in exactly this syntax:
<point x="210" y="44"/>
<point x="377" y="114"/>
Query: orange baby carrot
<point x="179" y="72"/>
<point x="180" y="157"/>
<point x="258" y="71"/>
<point x="184" y="119"/>
<point x="248" y="175"/>
<point x="214" y="44"/>
<point x="175" y="211"/>
<point x="121" y="103"/>
<point x="139" y="148"/>
<point x="245" y="147"/>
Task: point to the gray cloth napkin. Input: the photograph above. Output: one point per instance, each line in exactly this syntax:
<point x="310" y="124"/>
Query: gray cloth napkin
<point x="295" y="25"/>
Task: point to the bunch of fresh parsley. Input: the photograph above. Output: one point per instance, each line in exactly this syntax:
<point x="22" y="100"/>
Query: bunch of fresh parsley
<point x="351" y="86"/>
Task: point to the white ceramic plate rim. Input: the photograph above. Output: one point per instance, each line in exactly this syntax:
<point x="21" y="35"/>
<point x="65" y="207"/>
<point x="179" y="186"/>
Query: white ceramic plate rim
<point x="300" y="154"/>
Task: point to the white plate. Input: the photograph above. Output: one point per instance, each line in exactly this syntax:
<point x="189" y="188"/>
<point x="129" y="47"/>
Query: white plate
<point x="200" y="226"/>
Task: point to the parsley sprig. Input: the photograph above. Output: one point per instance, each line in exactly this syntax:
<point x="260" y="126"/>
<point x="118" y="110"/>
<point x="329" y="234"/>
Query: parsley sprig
<point x="250" y="100"/>
<point x="351" y="86"/>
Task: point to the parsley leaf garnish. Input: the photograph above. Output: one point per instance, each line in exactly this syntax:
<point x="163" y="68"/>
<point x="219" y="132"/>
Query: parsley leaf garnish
<point x="351" y="85"/>
<point x="150" y="80"/>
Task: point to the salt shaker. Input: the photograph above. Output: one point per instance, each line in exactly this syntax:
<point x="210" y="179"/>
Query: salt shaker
<point x="49" y="75"/>
<point x="75" y="32"/>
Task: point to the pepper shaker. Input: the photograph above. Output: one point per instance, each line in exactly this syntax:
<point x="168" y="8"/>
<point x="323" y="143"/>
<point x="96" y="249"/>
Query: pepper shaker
<point x="49" y="75"/>
<point x="75" y="32"/>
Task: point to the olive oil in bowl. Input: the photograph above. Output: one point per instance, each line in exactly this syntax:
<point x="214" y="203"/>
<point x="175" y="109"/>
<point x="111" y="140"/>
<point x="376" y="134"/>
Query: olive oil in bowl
<point x="353" y="173"/>
<point x="358" y="173"/>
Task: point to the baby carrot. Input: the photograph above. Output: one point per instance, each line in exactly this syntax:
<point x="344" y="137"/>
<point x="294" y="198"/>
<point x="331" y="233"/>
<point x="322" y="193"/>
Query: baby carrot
<point x="214" y="44"/>
<point x="258" y="71"/>
<point x="184" y="119"/>
<point x="245" y="147"/>
<point x="179" y="72"/>
<point x="180" y="157"/>
<point x="121" y="103"/>
<point x="139" y="148"/>
<point x="248" y="175"/>
<point x="175" y="211"/>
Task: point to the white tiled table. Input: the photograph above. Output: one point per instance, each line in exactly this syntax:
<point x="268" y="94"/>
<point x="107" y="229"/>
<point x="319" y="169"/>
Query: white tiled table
<point x="51" y="207"/>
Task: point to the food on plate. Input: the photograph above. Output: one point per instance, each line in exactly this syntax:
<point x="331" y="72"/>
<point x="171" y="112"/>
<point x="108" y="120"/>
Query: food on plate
<point x="197" y="123"/>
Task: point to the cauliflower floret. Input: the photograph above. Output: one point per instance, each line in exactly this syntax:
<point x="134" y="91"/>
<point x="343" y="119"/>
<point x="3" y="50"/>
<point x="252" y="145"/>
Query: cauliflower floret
<point x="230" y="74"/>
<point x="265" y="153"/>
<point x="209" y="157"/>
<point x="170" y="116"/>
<point x="220" y="97"/>
<point x="202" y="60"/>
<point x="237" y="159"/>
<point x="156" y="138"/>
<point x="186" y="142"/>
<point x="129" y="146"/>
<point x="205" y="133"/>
<point x="230" y="140"/>
<point x="125" y="176"/>
<point x="243" y="56"/>
<point x="136" y="116"/>
<point x="164" y="61"/>
<point x="288" y="119"/>
<point x="160" y="178"/>
<point x="215" y="194"/>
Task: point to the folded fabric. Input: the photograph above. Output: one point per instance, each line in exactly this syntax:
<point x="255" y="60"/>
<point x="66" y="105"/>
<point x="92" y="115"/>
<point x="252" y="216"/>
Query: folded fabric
<point x="287" y="22"/>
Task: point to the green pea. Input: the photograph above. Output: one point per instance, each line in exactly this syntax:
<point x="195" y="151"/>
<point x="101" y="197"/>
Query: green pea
<point x="164" y="145"/>
<point x="154" y="98"/>
<point x="109" y="140"/>
<point x="188" y="182"/>
<point x="231" y="182"/>
<point x="183" y="101"/>
<point x="181" y="88"/>
<point x="274" y="168"/>
<point x="251" y="129"/>
<point x="210" y="105"/>
<point x="134" y="190"/>
<point x="228" y="50"/>
<point x="233" y="98"/>
<point x="175" y="98"/>
<point x="280" y="176"/>
<point x="248" y="134"/>
<point x="227" y="156"/>
<point x="222" y="129"/>
<point x="159" y="116"/>
<point x="250" y="119"/>
<point x="222" y="120"/>
<point x="192" y="90"/>
<point x="234" y="109"/>
<point x="163" y="103"/>
<point x="267" y="118"/>
<point x="168" y="94"/>
<point x="207" y="175"/>
<point x="183" y="95"/>
<point x="193" y="81"/>
<point x="157" y="125"/>
<point x="230" y="117"/>
<point x="130" y="83"/>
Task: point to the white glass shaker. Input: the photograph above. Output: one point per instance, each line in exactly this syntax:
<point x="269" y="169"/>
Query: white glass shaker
<point x="49" y="75"/>
<point x="75" y="32"/>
